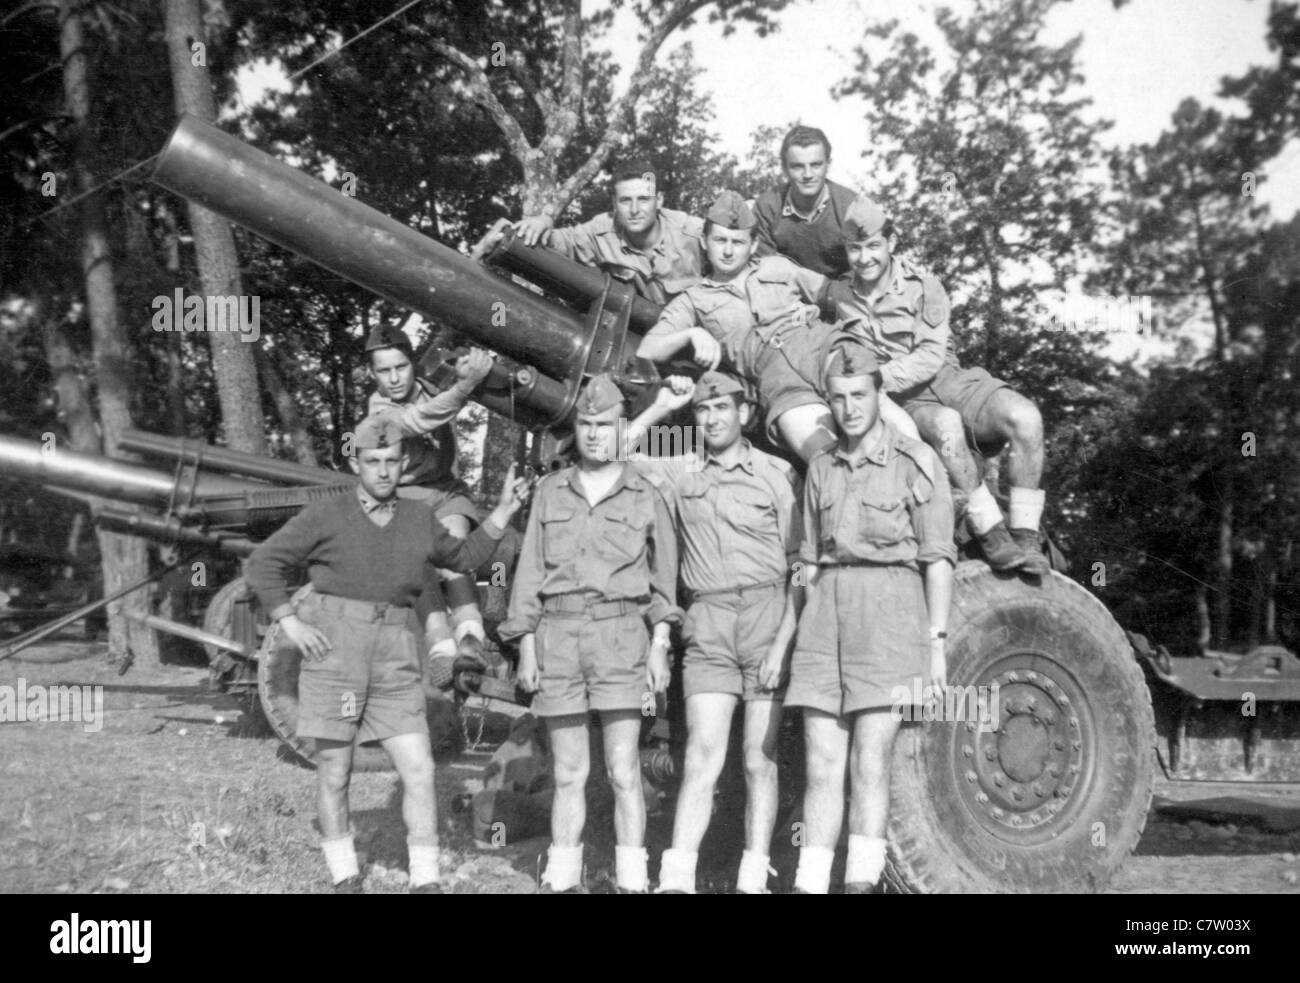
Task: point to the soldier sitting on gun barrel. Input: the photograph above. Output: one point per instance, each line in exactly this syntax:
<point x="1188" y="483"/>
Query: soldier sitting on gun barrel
<point x="658" y="250"/>
<point x="760" y="319"/>
<point x="368" y="556"/>
<point x="426" y="419"/>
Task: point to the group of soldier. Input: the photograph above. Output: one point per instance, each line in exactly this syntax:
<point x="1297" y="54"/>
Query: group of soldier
<point x="828" y="592"/>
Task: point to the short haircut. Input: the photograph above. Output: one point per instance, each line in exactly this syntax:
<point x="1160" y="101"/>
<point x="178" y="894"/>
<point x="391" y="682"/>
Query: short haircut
<point x="804" y="136"/>
<point x="633" y="170"/>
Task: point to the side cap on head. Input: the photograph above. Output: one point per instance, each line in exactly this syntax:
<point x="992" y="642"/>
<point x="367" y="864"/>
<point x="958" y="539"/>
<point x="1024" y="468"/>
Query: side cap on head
<point x="730" y="211"/>
<point x="376" y="432"/>
<point x="713" y="384"/>
<point x="863" y="219"/>
<point x="848" y="357"/>
<point x="599" y="395"/>
<point x="388" y="336"/>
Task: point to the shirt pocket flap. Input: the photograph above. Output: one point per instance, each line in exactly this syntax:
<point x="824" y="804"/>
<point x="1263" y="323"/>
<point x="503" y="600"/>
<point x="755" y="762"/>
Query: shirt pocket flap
<point x="553" y="511"/>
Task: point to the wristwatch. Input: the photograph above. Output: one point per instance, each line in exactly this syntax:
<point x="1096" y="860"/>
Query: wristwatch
<point x="937" y="635"/>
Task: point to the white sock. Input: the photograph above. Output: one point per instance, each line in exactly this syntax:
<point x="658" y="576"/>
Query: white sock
<point x="443" y="647"/>
<point x="677" y="871"/>
<point x="866" y="859"/>
<point x="423" y="863"/>
<point x="630" y="868"/>
<point x="1026" y="507"/>
<point x="753" y="873"/>
<point x="470" y="627"/>
<point x="813" y="874"/>
<point x="340" y="857"/>
<point x="982" y="510"/>
<point x="563" y="867"/>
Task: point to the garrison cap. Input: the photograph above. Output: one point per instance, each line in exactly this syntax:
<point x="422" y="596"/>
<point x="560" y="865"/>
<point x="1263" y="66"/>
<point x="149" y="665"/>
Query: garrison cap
<point x="377" y="432"/>
<point x="712" y="384"/>
<point x="389" y="336"/>
<point x="599" y="395"/>
<point x="863" y="219"/>
<point x="730" y="211"/>
<point x="848" y="357"/>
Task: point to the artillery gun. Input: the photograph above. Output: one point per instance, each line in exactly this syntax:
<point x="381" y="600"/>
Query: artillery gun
<point x="1046" y="790"/>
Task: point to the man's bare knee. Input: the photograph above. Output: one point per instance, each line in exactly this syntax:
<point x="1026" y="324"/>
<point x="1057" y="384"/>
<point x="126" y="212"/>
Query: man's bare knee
<point x="624" y="776"/>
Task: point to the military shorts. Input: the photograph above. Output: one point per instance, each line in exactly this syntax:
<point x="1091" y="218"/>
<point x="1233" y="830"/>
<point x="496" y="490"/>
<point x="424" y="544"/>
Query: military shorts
<point x="786" y="370"/>
<point x="589" y="664"/>
<point x="968" y="391"/>
<point x="864" y="633"/>
<point x="727" y="636"/>
<point x="369" y="683"/>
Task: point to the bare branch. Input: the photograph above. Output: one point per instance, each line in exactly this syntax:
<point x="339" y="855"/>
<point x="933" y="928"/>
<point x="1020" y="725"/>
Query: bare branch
<point x="480" y="91"/>
<point x="571" y="76"/>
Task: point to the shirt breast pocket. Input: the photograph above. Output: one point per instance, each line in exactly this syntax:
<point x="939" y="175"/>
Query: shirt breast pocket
<point x="623" y="538"/>
<point x="752" y="512"/>
<point x="883" y="520"/>
<point x="559" y="533"/>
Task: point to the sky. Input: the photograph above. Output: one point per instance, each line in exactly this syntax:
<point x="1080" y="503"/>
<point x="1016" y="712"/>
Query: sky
<point x="1139" y="63"/>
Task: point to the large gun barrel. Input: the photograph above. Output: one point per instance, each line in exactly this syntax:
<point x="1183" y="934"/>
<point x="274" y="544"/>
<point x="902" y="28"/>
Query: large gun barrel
<point x="298" y="212"/>
<point x="197" y="454"/>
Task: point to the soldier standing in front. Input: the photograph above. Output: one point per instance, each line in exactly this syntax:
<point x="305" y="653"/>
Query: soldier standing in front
<point x="598" y="564"/>
<point x="877" y="512"/>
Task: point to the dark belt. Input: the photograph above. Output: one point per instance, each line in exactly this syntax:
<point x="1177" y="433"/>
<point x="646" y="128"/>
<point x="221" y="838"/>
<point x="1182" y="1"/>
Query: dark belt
<point x="733" y="592"/>
<point x="588" y="607"/>
<point x="391" y="614"/>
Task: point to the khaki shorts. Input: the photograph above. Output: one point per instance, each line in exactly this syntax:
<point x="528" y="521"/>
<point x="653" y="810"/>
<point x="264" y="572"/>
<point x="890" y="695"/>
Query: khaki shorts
<point x="591" y="665"/>
<point x="786" y="374"/>
<point x="968" y="391"/>
<point x="369" y="684"/>
<point x="864" y="632"/>
<point x="727" y="637"/>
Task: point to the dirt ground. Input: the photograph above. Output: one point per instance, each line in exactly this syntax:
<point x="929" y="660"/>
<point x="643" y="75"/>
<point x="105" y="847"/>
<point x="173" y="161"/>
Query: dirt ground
<point x="171" y="794"/>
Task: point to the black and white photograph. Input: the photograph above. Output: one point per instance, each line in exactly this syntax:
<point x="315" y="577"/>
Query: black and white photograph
<point x="651" y="447"/>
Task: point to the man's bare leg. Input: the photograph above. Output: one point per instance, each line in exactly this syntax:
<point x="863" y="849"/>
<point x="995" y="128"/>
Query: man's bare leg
<point x="1013" y="418"/>
<point x="807" y="429"/>
<point x="708" y="728"/>
<point x="762" y="728"/>
<point x="621" y="730"/>
<point x="333" y="775"/>
<point x="413" y="760"/>
<point x="570" y="762"/>
<point x="897" y="417"/>
<point x="869" y="771"/>
<point x="462" y="598"/>
<point x="827" y="740"/>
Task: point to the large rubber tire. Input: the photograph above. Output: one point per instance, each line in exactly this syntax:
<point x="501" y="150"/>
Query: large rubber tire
<point x="1055" y="798"/>
<point x="219" y="618"/>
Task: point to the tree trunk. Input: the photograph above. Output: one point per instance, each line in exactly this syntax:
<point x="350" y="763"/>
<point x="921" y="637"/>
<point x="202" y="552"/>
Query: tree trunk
<point x="286" y="408"/>
<point x="125" y="558"/>
<point x="233" y="361"/>
<point x="1202" y="617"/>
<point x="1223" y="570"/>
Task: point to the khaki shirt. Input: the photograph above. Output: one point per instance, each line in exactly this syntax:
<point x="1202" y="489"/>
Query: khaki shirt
<point x="906" y="324"/>
<point x="673" y="263"/>
<point x="770" y="295"/>
<point x="622" y="548"/>
<point x="888" y="503"/>
<point x="737" y="526"/>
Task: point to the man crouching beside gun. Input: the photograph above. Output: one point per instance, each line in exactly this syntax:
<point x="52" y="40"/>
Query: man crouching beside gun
<point x="368" y="556"/>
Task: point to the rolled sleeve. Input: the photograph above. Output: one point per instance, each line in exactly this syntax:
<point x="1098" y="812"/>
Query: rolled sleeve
<point x="525" y="610"/>
<point x="932" y="518"/>
<point x="577" y="242"/>
<point x="428" y="411"/>
<point x="663" y="565"/>
<point x="677" y="316"/>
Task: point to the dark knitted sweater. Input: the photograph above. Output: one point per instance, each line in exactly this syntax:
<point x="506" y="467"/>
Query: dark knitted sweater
<point x="348" y="555"/>
<point x="817" y="245"/>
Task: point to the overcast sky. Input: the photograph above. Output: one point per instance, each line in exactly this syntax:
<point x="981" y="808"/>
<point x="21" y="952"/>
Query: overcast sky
<point x="1139" y="62"/>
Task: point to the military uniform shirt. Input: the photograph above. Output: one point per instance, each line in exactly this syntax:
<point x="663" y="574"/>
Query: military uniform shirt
<point x="622" y="548"/>
<point x="887" y="504"/>
<point x="737" y="526"/>
<point x="675" y="262"/>
<point x="426" y="421"/>
<point x="764" y="296"/>
<point x="906" y="325"/>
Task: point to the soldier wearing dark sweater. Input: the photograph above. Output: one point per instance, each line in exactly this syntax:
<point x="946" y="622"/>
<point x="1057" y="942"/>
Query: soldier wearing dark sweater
<point x="368" y="556"/>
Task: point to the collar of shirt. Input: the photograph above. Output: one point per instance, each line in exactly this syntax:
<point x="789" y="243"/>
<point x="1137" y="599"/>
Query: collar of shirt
<point x="629" y="478"/>
<point x="373" y="506"/>
<point x="877" y="453"/>
<point x="664" y="222"/>
<point x="823" y="199"/>
<point x="893" y="283"/>
<point x="736" y="285"/>
<point x="745" y="462"/>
